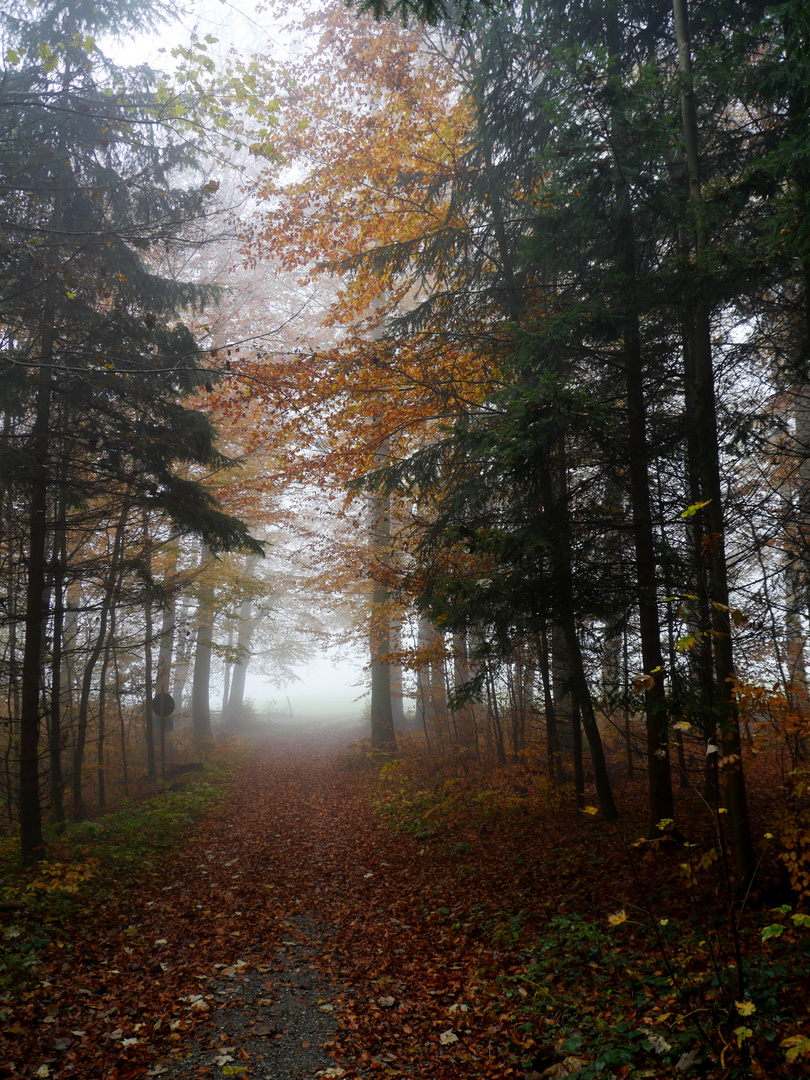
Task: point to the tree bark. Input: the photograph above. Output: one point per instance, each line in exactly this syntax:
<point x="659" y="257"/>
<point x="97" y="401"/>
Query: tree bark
<point x="554" y="755"/>
<point x="87" y="677"/>
<point x="465" y="723"/>
<point x="383" y="737"/>
<point x="661" y="804"/>
<point x="705" y="426"/>
<point x="201" y="680"/>
<point x="31" y="838"/>
<point x="55" y="725"/>
<point x="244" y="637"/>
<point x="561" y="564"/>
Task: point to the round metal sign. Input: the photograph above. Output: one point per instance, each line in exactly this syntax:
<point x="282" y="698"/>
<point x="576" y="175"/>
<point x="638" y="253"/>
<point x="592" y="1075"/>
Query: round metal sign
<point x="163" y="705"/>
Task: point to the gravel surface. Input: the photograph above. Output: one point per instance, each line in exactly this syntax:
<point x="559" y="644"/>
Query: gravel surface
<point x="269" y="1021"/>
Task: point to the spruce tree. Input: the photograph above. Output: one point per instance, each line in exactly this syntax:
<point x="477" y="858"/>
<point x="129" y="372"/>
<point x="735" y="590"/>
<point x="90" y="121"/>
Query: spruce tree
<point x="97" y="182"/>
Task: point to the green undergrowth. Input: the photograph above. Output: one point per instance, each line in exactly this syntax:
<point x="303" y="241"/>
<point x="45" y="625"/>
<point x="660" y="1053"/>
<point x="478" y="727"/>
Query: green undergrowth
<point x="623" y="999"/>
<point x="426" y="804"/>
<point x="88" y="862"/>
<point x="614" y="991"/>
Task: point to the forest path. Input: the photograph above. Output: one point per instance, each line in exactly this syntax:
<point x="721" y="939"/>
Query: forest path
<point x="292" y="935"/>
<point x="318" y="925"/>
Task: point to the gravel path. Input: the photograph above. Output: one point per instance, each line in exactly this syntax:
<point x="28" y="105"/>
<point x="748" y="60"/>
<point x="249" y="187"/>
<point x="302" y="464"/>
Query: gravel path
<point x="268" y="1021"/>
<point x="269" y="1013"/>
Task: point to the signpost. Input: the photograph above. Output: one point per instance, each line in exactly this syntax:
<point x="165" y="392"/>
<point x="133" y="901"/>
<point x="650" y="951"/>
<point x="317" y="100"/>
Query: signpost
<point x="163" y="706"/>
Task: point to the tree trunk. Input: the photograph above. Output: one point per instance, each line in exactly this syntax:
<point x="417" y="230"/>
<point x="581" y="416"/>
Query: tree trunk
<point x="579" y="771"/>
<point x="495" y="716"/>
<point x="661" y="804"/>
<point x="167" y="627"/>
<point x="55" y="726"/>
<point x="628" y="734"/>
<point x="121" y="726"/>
<point x="148" y="691"/>
<point x="183" y="652"/>
<point x="87" y="678"/>
<point x="560" y="555"/>
<point x="554" y="755"/>
<point x="438" y="688"/>
<point x="102" y="720"/>
<point x="705" y="426"/>
<point x="424" y="704"/>
<point x="31" y="839"/>
<point x="465" y="724"/>
<point x="201" y="681"/>
<point x="395" y="668"/>
<point x="244" y="637"/>
<point x="383" y="737"/>
<point x="226" y="674"/>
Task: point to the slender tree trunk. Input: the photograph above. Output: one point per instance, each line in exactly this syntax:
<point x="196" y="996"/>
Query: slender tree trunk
<point x="798" y="584"/>
<point x="121" y="725"/>
<point x="555" y="768"/>
<point x="701" y="657"/>
<point x="149" y="691"/>
<point x="438" y="688"/>
<point x="183" y="638"/>
<point x="424" y="704"/>
<point x="705" y="424"/>
<point x="12" y="688"/>
<point x="107" y="601"/>
<point x="148" y="670"/>
<point x="36" y="602"/>
<point x="201" y="682"/>
<point x="795" y="555"/>
<point x="579" y="771"/>
<point x="628" y="733"/>
<point x="244" y="637"/>
<point x="495" y="715"/>
<point x="465" y="725"/>
<point x="561" y="689"/>
<point x="31" y="839"/>
<point x="395" y="669"/>
<point x="560" y="555"/>
<point x="102" y="719"/>
<point x="661" y="800"/>
<point x="383" y="737"/>
<point x="55" y="727"/>
<point x="167" y="627"/>
<point x="226" y="675"/>
<point x="70" y="681"/>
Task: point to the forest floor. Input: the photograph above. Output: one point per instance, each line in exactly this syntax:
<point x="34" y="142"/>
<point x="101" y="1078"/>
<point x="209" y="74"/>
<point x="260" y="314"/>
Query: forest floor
<point x="331" y="920"/>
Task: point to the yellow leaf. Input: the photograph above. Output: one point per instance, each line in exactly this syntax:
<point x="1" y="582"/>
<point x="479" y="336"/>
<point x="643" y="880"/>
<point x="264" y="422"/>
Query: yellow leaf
<point x="690" y="511"/>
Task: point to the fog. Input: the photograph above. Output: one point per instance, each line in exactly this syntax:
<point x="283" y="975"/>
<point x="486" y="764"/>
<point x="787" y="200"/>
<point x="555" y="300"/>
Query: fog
<point x="328" y="688"/>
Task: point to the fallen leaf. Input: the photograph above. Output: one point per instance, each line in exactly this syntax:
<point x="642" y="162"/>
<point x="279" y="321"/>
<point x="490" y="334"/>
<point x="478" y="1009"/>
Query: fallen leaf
<point x="659" y="1044"/>
<point x="564" y="1068"/>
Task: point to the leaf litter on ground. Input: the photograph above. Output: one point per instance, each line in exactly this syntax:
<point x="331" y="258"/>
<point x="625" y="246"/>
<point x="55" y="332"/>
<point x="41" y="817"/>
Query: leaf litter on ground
<point x="298" y="933"/>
